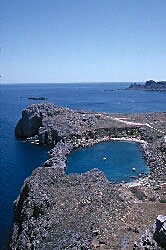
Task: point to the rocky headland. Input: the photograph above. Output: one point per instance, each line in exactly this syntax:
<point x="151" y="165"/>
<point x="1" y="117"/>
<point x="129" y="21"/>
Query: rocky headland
<point x="150" y="85"/>
<point x="59" y="211"/>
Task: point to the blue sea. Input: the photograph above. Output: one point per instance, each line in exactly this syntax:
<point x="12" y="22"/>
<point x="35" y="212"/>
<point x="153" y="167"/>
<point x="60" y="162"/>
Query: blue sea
<point x="18" y="159"/>
<point x="116" y="159"/>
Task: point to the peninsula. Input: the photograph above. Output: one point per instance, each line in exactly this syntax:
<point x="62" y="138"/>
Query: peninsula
<point x="149" y="85"/>
<point x="86" y="211"/>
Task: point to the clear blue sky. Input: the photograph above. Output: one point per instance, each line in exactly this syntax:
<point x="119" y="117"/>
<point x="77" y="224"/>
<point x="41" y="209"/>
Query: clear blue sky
<point x="82" y="40"/>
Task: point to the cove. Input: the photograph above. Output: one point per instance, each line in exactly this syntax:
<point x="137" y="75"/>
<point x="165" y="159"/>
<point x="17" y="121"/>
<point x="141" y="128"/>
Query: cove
<point x="115" y="159"/>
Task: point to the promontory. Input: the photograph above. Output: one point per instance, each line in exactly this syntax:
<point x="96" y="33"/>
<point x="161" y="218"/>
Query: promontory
<point x="150" y="85"/>
<point x="86" y="211"/>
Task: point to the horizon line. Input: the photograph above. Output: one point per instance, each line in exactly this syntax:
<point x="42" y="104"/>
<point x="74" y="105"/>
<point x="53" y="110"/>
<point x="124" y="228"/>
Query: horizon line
<point x="72" y="82"/>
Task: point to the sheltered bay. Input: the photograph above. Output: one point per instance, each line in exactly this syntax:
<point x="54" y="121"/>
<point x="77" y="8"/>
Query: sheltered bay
<point x="58" y="211"/>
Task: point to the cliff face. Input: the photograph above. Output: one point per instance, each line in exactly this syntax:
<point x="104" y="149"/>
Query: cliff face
<point x="51" y="123"/>
<point x="30" y="122"/>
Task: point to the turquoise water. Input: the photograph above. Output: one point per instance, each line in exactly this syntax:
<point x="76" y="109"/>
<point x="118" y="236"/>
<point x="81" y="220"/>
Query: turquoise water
<point x="18" y="159"/>
<point x="121" y="157"/>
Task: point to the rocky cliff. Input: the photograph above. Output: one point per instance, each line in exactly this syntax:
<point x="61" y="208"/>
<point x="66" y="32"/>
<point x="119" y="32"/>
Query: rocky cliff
<point x="52" y="123"/>
<point x="59" y="211"/>
<point x="56" y="211"/>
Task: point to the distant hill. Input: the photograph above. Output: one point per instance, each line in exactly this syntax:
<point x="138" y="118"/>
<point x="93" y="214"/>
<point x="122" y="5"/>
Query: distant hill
<point x="149" y="85"/>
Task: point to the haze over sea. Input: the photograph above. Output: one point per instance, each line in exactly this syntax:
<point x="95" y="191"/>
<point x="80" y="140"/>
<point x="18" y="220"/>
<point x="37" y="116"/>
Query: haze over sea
<point x="18" y="159"/>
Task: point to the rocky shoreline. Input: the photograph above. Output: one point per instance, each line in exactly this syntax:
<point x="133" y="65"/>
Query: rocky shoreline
<point x="149" y="85"/>
<point x="56" y="211"/>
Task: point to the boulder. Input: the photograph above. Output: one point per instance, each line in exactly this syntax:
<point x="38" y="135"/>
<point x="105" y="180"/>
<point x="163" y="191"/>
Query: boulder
<point x="160" y="231"/>
<point x="155" y="238"/>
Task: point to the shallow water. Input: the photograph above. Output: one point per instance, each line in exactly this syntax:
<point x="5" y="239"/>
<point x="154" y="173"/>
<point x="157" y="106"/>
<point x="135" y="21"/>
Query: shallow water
<point x="115" y="159"/>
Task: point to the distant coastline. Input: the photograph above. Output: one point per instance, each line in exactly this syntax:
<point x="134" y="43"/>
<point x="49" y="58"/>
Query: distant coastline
<point x="149" y="85"/>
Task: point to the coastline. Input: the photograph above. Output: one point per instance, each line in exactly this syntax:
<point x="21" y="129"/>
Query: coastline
<point x="130" y="139"/>
<point x="66" y="131"/>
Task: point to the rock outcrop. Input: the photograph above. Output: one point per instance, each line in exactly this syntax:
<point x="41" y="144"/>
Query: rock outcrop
<point x="52" y="123"/>
<point x="155" y="238"/>
<point x="67" y="129"/>
<point x="149" y="85"/>
<point x="160" y="231"/>
<point x="58" y="211"/>
<point x="30" y="123"/>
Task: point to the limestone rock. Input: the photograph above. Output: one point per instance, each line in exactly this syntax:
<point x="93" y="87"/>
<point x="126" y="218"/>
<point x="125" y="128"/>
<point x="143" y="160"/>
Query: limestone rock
<point x="160" y="230"/>
<point x="58" y="211"/>
<point x="155" y="238"/>
<point x="29" y="124"/>
<point x="52" y="123"/>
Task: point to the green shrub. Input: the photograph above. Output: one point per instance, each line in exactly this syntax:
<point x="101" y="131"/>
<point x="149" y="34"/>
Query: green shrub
<point x="162" y="201"/>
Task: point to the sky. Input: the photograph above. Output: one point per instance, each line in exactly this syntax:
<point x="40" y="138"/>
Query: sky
<point x="49" y="41"/>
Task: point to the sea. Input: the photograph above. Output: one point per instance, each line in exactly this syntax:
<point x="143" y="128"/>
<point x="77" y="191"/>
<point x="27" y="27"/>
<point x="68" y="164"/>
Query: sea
<point x="119" y="160"/>
<point x="18" y="159"/>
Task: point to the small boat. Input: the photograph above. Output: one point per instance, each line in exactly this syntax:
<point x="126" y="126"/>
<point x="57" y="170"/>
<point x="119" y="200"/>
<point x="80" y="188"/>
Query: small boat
<point x="104" y="158"/>
<point x="133" y="169"/>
